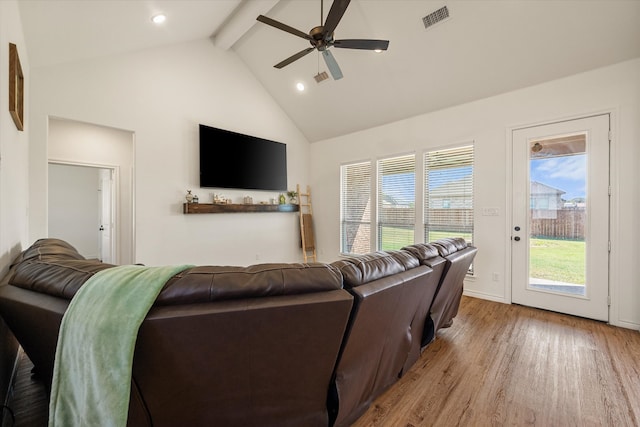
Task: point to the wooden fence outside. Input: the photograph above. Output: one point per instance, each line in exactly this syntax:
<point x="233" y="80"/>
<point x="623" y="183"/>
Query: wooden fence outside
<point x="568" y="224"/>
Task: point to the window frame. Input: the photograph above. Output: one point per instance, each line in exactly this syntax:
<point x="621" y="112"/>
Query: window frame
<point x="470" y="215"/>
<point x="379" y="200"/>
<point x="371" y="201"/>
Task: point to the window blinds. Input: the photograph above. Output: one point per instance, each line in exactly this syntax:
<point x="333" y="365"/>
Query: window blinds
<point x="396" y="202"/>
<point x="448" y="194"/>
<point x="355" y="208"/>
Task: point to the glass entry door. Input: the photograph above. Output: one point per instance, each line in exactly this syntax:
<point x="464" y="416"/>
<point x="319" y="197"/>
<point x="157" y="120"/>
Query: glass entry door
<point x="560" y="226"/>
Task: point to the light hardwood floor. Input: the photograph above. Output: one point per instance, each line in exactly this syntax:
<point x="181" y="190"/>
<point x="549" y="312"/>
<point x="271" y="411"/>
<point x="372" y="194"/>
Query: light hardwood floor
<point x="498" y="365"/>
<point x="508" y="365"/>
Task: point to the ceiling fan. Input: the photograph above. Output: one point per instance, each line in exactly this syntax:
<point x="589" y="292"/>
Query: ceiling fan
<point x="321" y="38"/>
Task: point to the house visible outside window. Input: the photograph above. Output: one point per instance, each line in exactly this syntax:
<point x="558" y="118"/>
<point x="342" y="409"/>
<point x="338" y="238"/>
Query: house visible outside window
<point x="396" y="202"/>
<point x="355" y="208"/>
<point x="448" y="194"/>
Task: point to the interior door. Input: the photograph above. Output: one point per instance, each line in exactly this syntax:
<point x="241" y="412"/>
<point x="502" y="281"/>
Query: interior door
<point x="560" y="217"/>
<point x="105" y="196"/>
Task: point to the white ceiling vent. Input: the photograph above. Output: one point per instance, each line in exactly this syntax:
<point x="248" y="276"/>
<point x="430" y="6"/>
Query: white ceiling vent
<point x="438" y="16"/>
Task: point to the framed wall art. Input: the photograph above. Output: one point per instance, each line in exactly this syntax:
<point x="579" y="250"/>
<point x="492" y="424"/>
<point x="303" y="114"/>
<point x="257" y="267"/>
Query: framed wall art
<point x="16" y="87"/>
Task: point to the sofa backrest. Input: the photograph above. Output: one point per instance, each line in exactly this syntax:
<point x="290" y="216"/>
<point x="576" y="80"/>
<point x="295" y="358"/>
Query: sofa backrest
<point x="429" y="255"/>
<point x="366" y="268"/>
<point x="49" y="248"/>
<point x="257" y="361"/>
<point x="389" y="289"/>
<point x="60" y="278"/>
<point x="217" y="283"/>
<point x="422" y="327"/>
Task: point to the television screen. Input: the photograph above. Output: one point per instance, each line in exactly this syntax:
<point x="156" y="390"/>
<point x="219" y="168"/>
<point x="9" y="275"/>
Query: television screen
<point x="233" y="160"/>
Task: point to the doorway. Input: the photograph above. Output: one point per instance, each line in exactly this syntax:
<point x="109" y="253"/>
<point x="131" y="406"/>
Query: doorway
<point x="81" y="208"/>
<point x="84" y="144"/>
<point x="560" y="217"/>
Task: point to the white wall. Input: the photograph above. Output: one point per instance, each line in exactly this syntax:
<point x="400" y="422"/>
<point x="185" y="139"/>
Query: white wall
<point x="14" y="144"/>
<point x="488" y="122"/>
<point x="83" y="143"/>
<point x="162" y="95"/>
<point x="73" y="207"/>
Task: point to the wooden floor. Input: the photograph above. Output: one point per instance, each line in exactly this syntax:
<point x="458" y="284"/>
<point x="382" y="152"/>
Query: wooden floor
<point x="29" y="401"/>
<point x="508" y="365"/>
<point x="498" y="365"/>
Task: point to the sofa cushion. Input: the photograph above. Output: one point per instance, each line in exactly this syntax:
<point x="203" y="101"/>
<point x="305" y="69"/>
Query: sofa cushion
<point x="56" y="277"/>
<point x="450" y="245"/>
<point x="362" y="269"/>
<point x="216" y="283"/>
<point x="46" y="249"/>
<point x="422" y="251"/>
<point x="406" y="258"/>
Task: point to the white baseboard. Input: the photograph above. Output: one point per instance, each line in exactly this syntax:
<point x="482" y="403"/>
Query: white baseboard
<point x="482" y="295"/>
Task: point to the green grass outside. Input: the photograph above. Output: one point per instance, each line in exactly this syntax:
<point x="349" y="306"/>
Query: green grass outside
<point x="396" y="238"/>
<point x="559" y="260"/>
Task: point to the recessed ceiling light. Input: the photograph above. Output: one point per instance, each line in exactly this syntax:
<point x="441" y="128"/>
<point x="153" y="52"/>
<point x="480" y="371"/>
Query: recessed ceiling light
<point x="159" y="18"/>
<point x="300" y="86"/>
<point x="378" y="51"/>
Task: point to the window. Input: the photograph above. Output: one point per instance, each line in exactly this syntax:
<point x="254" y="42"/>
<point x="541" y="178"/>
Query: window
<point x="448" y="194"/>
<point x="355" y="208"/>
<point x="396" y="202"/>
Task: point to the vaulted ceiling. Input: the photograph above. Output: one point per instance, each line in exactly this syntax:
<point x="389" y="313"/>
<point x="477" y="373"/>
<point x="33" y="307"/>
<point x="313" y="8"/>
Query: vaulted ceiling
<point x="485" y="48"/>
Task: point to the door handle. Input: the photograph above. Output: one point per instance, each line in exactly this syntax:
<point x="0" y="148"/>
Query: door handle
<point x="517" y="238"/>
<point x="101" y="228"/>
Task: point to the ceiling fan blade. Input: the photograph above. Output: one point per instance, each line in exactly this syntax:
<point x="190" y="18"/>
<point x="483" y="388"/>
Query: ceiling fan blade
<point x="283" y="27"/>
<point x="335" y="15"/>
<point x="362" y="44"/>
<point x="295" y="57"/>
<point x="332" y="65"/>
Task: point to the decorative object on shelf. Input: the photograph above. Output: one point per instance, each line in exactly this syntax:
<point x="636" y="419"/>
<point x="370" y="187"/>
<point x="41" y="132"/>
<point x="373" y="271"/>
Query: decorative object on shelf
<point x="189" y="197"/>
<point x="219" y="199"/>
<point x="248" y="200"/>
<point x="282" y="199"/>
<point x="293" y="195"/>
<point x="16" y="87"/>
<point x="195" y="198"/>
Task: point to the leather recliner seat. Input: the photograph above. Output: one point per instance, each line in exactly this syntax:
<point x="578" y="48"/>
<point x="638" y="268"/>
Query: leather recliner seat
<point x="454" y="257"/>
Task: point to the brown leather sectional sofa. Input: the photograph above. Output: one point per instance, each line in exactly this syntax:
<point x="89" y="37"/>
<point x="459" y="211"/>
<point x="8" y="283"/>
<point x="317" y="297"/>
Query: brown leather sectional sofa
<point x="265" y="345"/>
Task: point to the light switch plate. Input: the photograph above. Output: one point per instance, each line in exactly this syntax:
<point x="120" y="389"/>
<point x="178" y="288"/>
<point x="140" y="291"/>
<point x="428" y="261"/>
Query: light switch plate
<point x="490" y="211"/>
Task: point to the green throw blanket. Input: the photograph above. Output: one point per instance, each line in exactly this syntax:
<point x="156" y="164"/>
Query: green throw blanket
<point x="94" y="356"/>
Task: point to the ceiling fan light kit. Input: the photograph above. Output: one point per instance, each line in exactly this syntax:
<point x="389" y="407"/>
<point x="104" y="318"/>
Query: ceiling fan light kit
<point x="321" y="77"/>
<point x="321" y="38"/>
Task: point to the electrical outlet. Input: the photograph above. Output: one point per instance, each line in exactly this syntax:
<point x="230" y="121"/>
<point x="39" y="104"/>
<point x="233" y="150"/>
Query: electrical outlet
<point x="496" y="277"/>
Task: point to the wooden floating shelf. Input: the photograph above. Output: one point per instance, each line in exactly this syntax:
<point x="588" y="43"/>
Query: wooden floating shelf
<point x="202" y="208"/>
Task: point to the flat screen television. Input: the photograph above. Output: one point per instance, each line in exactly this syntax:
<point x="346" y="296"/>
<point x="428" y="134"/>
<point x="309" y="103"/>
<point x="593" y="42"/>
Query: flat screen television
<point x="233" y="160"/>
